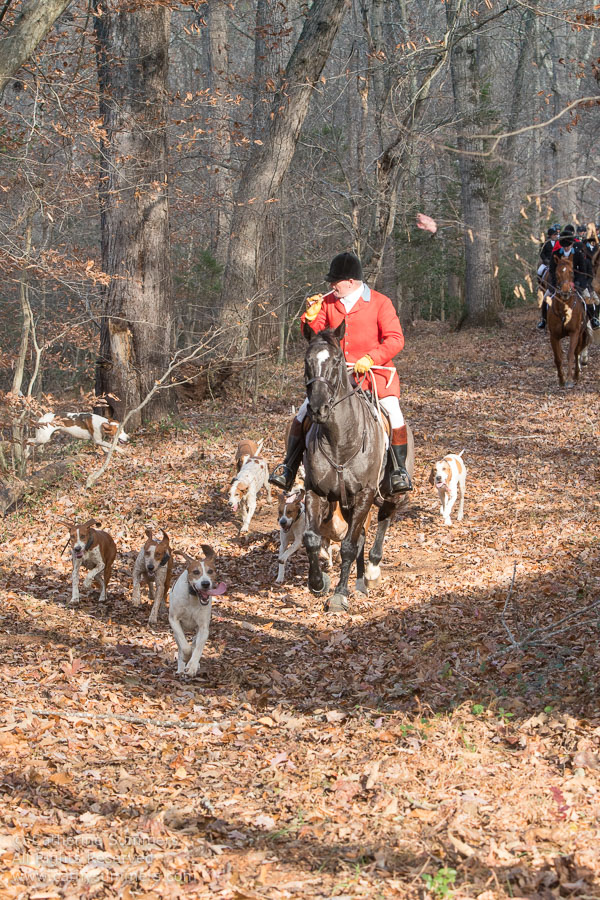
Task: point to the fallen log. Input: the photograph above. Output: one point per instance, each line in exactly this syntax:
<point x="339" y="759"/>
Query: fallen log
<point x="13" y="490"/>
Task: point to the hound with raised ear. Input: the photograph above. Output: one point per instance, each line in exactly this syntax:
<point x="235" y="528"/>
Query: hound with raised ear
<point x="449" y="478"/>
<point x="94" y="550"/>
<point x="190" y="607"/>
<point x="154" y="567"/>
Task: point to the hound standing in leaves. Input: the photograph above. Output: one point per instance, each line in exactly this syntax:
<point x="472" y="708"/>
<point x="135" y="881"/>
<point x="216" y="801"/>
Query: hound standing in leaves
<point x="449" y="477"/>
<point x="153" y="566"/>
<point x="94" y="550"/>
<point x="190" y="607"/>
<point x="251" y="478"/>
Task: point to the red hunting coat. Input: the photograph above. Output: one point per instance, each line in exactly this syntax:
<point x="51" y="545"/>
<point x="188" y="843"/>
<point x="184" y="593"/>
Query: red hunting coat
<point x="373" y="327"/>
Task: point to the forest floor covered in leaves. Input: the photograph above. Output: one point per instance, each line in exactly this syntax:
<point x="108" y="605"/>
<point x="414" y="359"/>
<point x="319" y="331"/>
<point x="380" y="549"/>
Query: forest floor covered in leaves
<point x="442" y="737"/>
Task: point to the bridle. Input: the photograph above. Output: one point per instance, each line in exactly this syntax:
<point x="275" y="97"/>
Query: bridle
<point x="333" y="389"/>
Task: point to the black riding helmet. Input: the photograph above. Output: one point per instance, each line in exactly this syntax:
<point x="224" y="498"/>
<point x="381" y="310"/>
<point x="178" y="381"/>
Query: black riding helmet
<point x="343" y="266"/>
<point x="567" y="237"/>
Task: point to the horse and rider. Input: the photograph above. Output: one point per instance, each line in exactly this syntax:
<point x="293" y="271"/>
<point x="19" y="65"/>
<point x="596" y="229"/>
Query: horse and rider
<point x="582" y="245"/>
<point x="373" y="336"/>
<point x="353" y="334"/>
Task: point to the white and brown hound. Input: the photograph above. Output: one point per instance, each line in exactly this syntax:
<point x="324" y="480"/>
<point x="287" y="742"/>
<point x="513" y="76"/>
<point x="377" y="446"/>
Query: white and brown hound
<point x="94" y="550"/>
<point x="292" y="524"/>
<point x="190" y="607"/>
<point x="154" y="567"/>
<point x="85" y="426"/>
<point x="449" y="478"/>
<point x="251" y="478"/>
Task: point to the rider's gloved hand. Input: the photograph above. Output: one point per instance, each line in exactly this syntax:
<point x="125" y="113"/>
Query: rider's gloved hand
<point x="313" y="307"/>
<point x="362" y="365"/>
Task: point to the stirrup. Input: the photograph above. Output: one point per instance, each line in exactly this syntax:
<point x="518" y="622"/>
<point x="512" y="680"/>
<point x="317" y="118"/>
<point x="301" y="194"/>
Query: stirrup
<point x="400" y="482"/>
<point x="282" y="477"/>
<point x="541" y="325"/>
<point x="595" y="322"/>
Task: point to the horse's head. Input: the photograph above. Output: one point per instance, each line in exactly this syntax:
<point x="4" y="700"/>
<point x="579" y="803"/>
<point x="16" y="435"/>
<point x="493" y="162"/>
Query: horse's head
<point x="324" y="369"/>
<point x="564" y="273"/>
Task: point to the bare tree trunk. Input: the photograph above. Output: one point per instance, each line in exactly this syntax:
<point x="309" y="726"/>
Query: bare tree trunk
<point x="136" y="333"/>
<point x="268" y="163"/>
<point x="481" y="282"/>
<point x="32" y="24"/>
<point x="26" y="324"/>
<point x="268" y="55"/>
<point x="219" y="13"/>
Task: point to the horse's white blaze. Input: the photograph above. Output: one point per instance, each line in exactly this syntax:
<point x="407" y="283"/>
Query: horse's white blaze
<point x="323" y="356"/>
<point x="372" y="573"/>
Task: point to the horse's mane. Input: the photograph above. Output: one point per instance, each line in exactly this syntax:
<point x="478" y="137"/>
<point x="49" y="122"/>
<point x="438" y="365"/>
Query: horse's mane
<point x="328" y="337"/>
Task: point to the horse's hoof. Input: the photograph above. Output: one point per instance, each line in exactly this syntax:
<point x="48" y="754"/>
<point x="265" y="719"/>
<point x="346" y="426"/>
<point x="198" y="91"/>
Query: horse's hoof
<point x="361" y="587"/>
<point x="372" y="575"/>
<point x="337" y="603"/>
<point x="325" y="588"/>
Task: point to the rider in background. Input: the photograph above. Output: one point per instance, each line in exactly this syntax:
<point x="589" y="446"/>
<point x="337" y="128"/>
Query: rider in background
<point x="568" y="246"/>
<point x="545" y="257"/>
<point x="372" y="338"/>
<point x="588" y="246"/>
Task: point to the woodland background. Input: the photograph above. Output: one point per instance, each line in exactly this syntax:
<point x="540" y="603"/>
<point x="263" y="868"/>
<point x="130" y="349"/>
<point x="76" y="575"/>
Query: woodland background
<point x="176" y="176"/>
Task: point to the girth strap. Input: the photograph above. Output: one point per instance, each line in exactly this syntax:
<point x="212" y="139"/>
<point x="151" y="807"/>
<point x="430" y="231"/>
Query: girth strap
<point x="339" y="467"/>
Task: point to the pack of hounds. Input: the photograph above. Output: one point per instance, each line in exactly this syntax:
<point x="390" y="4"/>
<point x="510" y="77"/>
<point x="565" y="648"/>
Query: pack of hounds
<point x="190" y="598"/>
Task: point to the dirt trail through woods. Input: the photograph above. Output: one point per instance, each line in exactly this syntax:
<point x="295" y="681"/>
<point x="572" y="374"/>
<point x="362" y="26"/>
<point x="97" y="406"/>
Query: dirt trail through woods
<point x="445" y="735"/>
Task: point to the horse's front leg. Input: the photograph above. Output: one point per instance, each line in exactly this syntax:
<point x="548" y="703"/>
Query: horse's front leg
<point x="361" y="586"/>
<point x="373" y="571"/>
<point x="557" y="351"/>
<point x="572" y="360"/>
<point x="318" y="583"/>
<point x="349" y="549"/>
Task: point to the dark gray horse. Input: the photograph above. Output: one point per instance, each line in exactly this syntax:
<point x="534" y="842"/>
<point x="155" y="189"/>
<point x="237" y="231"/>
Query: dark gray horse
<point x="345" y="460"/>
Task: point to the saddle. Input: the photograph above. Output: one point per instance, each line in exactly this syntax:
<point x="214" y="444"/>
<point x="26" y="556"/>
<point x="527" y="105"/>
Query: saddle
<point x="384" y="417"/>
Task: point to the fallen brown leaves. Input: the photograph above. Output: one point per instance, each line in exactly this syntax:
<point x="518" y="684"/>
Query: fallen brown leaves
<point x="315" y="756"/>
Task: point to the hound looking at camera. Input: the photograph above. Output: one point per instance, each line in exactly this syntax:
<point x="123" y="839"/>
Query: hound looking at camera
<point x="252" y="478"/>
<point x="190" y="607"/>
<point x="94" y="550"/>
<point x="154" y="567"/>
<point x="85" y="426"/>
<point x="449" y="477"/>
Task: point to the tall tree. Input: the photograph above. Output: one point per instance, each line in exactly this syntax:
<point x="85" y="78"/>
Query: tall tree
<point x="470" y="85"/>
<point x="268" y="163"/>
<point x="220" y="138"/>
<point x="136" y="334"/>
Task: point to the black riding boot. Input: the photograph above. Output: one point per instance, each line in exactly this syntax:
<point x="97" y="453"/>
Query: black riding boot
<point x="592" y="312"/>
<point x="284" y="474"/>
<point x="399" y="478"/>
<point x="541" y="325"/>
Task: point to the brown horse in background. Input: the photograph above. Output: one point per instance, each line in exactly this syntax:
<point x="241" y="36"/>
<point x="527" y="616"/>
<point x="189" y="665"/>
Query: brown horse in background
<point x="567" y="317"/>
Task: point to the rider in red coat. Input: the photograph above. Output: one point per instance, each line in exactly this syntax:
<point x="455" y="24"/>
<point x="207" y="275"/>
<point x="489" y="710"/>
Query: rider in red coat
<point x="372" y="338"/>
